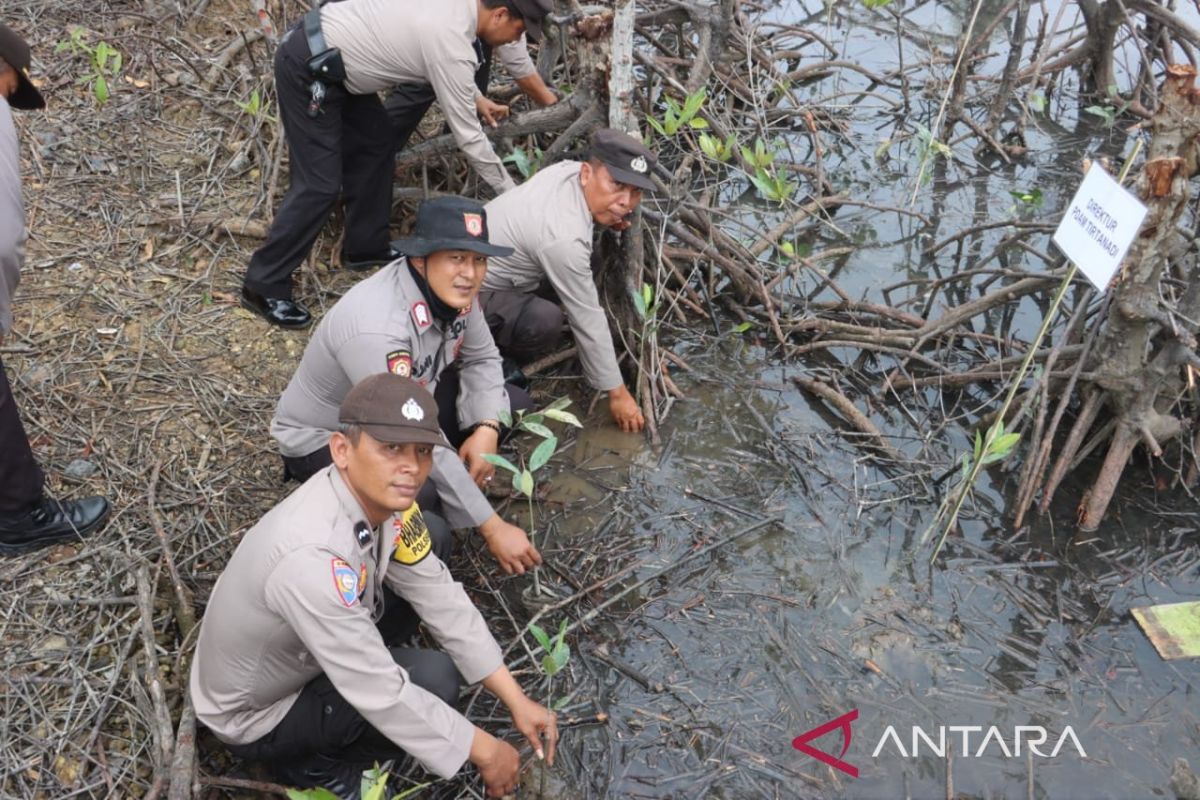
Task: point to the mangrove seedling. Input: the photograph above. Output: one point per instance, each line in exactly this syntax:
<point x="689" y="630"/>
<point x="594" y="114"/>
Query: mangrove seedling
<point x="676" y="115"/>
<point x="557" y="654"/>
<point x="523" y="476"/>
<point x="374" y="786"/>
<point x="104" y="63"/>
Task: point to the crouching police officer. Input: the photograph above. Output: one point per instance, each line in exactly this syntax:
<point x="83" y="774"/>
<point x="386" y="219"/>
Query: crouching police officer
<point x="416" y="317"/>
<point x="290" y="668"/>
<point x="549" y="221"/>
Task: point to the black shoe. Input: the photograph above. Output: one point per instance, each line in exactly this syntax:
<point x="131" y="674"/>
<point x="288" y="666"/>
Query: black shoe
<point x="360" y="263"/>
<point x="51" y="521"/>
<point x="284" y="313"/>
<point x="342" y="778"/>
<point x="513" y="374"/>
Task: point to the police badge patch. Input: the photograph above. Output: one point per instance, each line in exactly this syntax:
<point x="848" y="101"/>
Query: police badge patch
<point x="474" y="223"/>
<point x="399" y="362"/>
<point x="411" y="542"/>
<point x="420" y="314"/>
<point x="345" y="581"/>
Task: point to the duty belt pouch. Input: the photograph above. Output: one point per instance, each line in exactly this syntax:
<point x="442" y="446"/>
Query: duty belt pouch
<point x="325" y="64"/>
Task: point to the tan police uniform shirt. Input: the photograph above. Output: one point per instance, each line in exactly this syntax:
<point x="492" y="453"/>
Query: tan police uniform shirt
<point x="383" y="324"/>
<point x="301" y="597"/>
<point x="548" y="223"/>
<point x="385" y="43"/>
<point x="515" y="58"/>
<point x="12" y="216"/>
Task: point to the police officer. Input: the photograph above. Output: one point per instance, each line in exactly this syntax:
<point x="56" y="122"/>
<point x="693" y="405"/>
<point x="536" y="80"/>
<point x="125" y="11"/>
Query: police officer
<point x="327" y="73"/>
<point x="290" y="667"/>
<point x="406" y="105"/>
<point x="28" y="519"/>
<point x="416" y="317"/>
<point x="548" y="221"/>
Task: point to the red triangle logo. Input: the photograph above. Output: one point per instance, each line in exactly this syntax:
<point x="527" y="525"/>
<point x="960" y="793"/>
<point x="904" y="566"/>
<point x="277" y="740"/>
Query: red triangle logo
<point x="842" y="723"/>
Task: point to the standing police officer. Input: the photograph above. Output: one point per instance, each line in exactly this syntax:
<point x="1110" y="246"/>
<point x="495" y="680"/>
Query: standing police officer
<point x="327" y="75"/>
<point x="416" y="317"/>
<point x="28" y="518"/>
<point x="292" y="665"/>
<point x="549" y="221"/>
<point x="407" y="104"/>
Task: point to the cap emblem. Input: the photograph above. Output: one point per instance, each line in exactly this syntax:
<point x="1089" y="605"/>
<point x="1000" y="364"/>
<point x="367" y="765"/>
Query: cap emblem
<point x="639" y="165"/>
<point x="474" y="223"/>
<point x="412" y="410"/>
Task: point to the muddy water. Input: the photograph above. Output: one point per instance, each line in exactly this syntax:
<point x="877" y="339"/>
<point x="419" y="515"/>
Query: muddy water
<point x="711" y="671"/>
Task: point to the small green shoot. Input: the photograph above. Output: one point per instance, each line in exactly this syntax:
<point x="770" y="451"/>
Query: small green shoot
<point x="676" y="116"/>
<point x="773" y="186"/>
<point x="876" y="3"/>
<point x="760" y="157"/>
<point x="104" y="63"/>
<point x="373" y="787"/>
<point x="525" y="163"/>
<point x="1027" y="202"/>
<point x="930" y="148"/>
<point x="253" y="106"/>
<point x="716" y="149"/>
<point x="995" y="446"/>
<point x="558" y="652"/>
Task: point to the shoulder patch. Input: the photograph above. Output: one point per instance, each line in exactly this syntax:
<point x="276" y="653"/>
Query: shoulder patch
<point x="412" y="542"/>
<point x="345" y="581"/>
<point x="421" y="315"/>
<point x="399" y="362"/>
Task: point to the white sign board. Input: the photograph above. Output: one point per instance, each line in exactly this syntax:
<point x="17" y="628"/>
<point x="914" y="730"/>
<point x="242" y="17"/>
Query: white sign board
<point x="1099" y="226"/>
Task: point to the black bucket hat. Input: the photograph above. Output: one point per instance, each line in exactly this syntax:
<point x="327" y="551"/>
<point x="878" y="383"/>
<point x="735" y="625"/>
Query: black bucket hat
<point x="533" y="11"/>
<point x="450" y="223"/>
<point x="15" y="51"/>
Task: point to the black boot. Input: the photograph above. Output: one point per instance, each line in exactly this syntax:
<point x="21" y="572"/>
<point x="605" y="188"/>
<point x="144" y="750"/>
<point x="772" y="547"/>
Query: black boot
<point x="50" y="521"/>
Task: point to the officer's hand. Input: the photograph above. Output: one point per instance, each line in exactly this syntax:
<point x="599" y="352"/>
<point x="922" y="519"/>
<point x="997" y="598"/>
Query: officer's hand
<point x="491" y="112"/>
<point x="625" y="411"/>
<point x="509" y="545"/>
<point x="482" y="441"/>
<point x="535" y="721"/>
<point x="498" y="763"/>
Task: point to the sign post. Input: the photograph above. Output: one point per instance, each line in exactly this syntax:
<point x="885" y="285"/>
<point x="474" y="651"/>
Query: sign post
<point x="1099" y="226"/>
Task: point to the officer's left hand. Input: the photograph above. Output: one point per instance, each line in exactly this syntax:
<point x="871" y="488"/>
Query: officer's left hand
<point x="482" y="442"/>
<point x="535" y="721"/>
<point x="491" y="112"/>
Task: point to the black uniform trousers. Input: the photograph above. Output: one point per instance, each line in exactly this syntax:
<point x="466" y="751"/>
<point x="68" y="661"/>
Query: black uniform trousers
<point x="346" y="150"/>
<point x="322" y="722"/>
<point x="20" y="476"/>
<point x="524" y="325"/>
<point x="407" y="103"/>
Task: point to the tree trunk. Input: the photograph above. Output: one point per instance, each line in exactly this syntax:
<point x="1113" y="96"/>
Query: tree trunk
<point x="1147" y="340"/>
